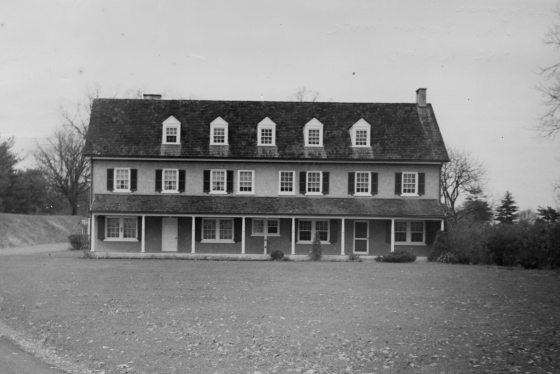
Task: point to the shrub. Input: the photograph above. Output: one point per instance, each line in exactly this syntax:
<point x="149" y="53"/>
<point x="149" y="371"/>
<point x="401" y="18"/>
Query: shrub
<point x="79" y="241"/>
<point x="354" y="257"/>
<point x="397" y="256"/>
<point x="316" y="250"/>
<point x="276" y="255"/>
<point x="505" y="243"/>
<point x="440" y="246"/>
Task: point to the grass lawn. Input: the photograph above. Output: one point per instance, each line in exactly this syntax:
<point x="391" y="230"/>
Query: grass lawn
<point x="165" y="316"/>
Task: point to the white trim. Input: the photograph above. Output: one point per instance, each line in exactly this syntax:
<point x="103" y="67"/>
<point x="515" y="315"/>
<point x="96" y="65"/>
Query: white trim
<point x="361" y="125"/>
<point x="121" y="237"/>
<point x="366" y="238"/>
<point x="307" y="183"/>
<point x="343" y="237"/>
<point x="392" y="235"/>
<point x="368" y="193"/>
<point x="409" y="233"/>
<point x="314" y="124"/>
<point x="193" y="234"/>
<point x="252" y="192"/>
<point x="266" y="123"/>
<point x="170" y="123"/>
<point x="163" y="190"/>
<point x="314" y="231"/>
<point x="217" y="228"/>
<point x="143" y="236"/>
<point x="218" y="192"/>
<point x="93" y="235"/>
<point x="293" y="244"/>
<point x="265" y="227"/>
<point x="293" y="192"/>
<point x="415" y="193"/>
<point x="219" y="123"/>
<point x="115" y="189"/>
<point x="242" y="235"/>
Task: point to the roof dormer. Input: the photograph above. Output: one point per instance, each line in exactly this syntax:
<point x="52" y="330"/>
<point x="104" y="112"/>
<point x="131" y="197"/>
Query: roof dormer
<point x="360" y="133"/>
<point x="171" y="131"/>
<point x="266" y="132"/>
<point x="219" y="132"/>
<point x="313" y="133"/>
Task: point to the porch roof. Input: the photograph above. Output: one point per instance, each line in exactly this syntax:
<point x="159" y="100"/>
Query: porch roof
<point x="266" y="206"/>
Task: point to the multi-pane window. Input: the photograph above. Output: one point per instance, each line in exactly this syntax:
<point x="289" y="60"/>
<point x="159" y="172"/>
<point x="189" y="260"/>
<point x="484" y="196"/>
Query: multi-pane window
<point x="122" y="179"/>
<point x="219" y="135"/>
<point x="314" y="137"/>
<point x="219" y="132"/>
<point x="121" y="228"/>
<point x="314" y="182"/>
<point x="170" y="179"/>
<point x="218" y="181"/>
<point x="217" y="230"/>
<point x="308" y="230"/>
<point x="362" y="183"/>
<point x="171" y="134"/>
<point x="360" y="133"/>
<point x="266" y="130"/>
<point x="361" y="138"/>
<point x="409" y="183"/>
<point x="245" y="181"/>
<point x="287" y="180"/>
<point x="409" y="232"/>
<point x="266" y="136"/>
<point x="171" y="131"/>
<point x="269" y="227"/>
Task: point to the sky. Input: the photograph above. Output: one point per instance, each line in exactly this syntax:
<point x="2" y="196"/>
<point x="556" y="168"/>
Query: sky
<point x="480" y="61"/>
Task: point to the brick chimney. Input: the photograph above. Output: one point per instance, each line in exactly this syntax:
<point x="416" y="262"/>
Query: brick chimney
<point x="152" y="97"/>
<point x="421" y="97"/>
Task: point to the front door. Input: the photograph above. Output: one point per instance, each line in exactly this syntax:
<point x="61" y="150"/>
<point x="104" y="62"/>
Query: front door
<point x="169" y="234"/>
<point x="361" y="236"/>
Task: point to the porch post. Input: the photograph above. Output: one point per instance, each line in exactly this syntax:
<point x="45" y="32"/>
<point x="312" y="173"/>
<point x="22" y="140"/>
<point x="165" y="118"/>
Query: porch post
<point x="293" y="236"/>
<point x="143" y="243"/>
<point x="343" y="237"/>
<point x="93" y="233"/>
<point x="392" y="235"/>
<point x="243" y="235"/>
<point x="442" y="227"/>
<point x="193" y="233"/>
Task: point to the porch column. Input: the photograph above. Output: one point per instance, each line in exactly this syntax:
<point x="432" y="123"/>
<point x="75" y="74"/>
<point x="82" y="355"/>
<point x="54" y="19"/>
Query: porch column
<point x="392" y="235"/>
<point x="343" y="237"/>
<point x="293" y="236"/>
<point x="93" y="233"/>
<point x="243" y="235"/>
<point x="193" y="233"/>
<point x="143" y="239"/>
<point x="442" y="227"/>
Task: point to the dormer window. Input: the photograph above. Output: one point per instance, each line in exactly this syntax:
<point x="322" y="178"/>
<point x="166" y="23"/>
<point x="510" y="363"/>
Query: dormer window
<point x="360" y="134"/>
<point x="266" y="130"/>
<point x="171" y="133"/>
<point x="313" y="133"/>
<point x="219" y="132"/>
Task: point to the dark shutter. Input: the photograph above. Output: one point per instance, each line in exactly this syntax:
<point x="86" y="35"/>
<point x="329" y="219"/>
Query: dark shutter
<point x="398" y="183"/>
<point x="206" y="181"/>
<point x="133" y="179"/>
<point x="326" y="182"/>
<point x="333" y="228"/>
<point x="237" y="230"/>
<point x="110" y="173"/>
<point x="158" y="180"/>
<point x="302" y="182"/>
<point x="139" y="231"/>
<point x="351" y="177"/>
<point x="432" y="228"/>
<point x="388" y="232"/>
<point x="374" y="180"/>
<point x="101" y="227"/>
<point x="198" y="229"/>
<point x="229" y="185"/>
<point x="182" y="175"/>
<point x="421" y="183"/>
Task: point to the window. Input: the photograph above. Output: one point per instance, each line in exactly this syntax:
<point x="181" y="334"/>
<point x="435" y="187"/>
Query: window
<point x="246" y="182"/>
<point x="268" y="227"/>
<point x="313" y="133"/>
<point x="170" y="180"/>
<point x="121" y="228"/>
<point x="122" y="179"/>
<point x="362" y="183"/>
<point x="217" y="181"/>
<point x="307" y="230"/>
<point x="409" y="183"/>
<point x="219" y="132"/>
<point x="217" y="230"/>
<point x="360" y="134"/>
<point x="171" y="131"/>
<point x="266" y="130"/>
<point x="411" y="232"/>
<point x="314" y="182"/>
<point x="287" y="180"/>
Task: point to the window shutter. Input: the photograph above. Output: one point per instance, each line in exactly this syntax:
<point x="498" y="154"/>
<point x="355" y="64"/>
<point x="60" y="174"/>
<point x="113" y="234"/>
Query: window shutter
<point x="326" y="182"/>
<point x="374" y="179"/>
<point x="206" y="181"/>
<point x="158" y="180"/>
<point x="110" y="173"/>
<point x="421" y="183"/>
<point x="237" y="230"/>
<point x="351" y="187"/>
<point x="431" y="229"/>
<point x="398" y="183"/>
<point x="197" y="229"/>
<point x="388" y="232"/>
<point x="229" y="186"/>
<point x="101" y="227"/>
<point x="139" y="229"/>
<point x="133" y="179"/>
<point x="302" y="182"/>
<point x="333" y="228"/>
<point x="182" y="175"/>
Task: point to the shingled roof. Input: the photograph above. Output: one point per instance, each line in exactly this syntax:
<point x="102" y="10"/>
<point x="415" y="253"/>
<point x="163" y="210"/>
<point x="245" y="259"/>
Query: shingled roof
<point x="133" y="128"/>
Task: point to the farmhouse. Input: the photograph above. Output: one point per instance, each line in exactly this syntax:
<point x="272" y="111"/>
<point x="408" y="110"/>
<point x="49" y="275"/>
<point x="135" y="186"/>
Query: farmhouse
<point x="251" y="177"/>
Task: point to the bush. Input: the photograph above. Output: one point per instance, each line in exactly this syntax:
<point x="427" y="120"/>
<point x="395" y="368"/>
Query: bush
<point x="440" y="246"/>
<point x="79" y="241"/>
<point x="354" y="257"/>
<point x="316" y="250"/>
<point x="505" y="244"/>
<point x="397" y="256"/>
<point x="276" y="255"/>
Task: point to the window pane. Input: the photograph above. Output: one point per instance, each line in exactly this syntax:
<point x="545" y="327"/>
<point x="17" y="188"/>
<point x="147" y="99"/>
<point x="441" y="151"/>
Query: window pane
<point x="314" y="136"/>
<point x="121" y="179"/>
<point x="218" y="180"/>
<point x="266" y="136"/>
<point x="226" y="229"/>
<point x="171" y="135"/>
<point x="112" y="228"/>
<point x="314" y="181"/>
<point x="273" y="226"/>
<point x="129" y="227"/>
<point x="219" y="135"/>
<point x="409" y="183"/>
<point x="361" y="137"/>
<point x="322" y="229"/>
<point x="245" y="181"/>
<point x="286" y="181"/>
<point x="170" y="180"/>
<point x="305" y="230"/>
<point x="362" y="182"/>
<point x="208" y="229"/>
<point x="258" y="226"/>
<point x="417" y="231"/>
<point x="400" y="231"/>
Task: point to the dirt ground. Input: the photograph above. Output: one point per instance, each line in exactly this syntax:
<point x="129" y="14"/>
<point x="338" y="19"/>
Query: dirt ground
<point x="169" y="316"/>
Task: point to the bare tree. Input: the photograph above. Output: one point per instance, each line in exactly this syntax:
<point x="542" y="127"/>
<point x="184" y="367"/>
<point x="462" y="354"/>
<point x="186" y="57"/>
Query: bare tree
<point x="460" y="177"/>
<point x="550" y="121"/>
<point x="303" y="94"/>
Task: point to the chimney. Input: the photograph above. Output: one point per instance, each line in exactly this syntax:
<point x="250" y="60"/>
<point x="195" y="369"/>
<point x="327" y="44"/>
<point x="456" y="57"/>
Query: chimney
<point x="421" y="97"/>
<point x="152" y="97"/>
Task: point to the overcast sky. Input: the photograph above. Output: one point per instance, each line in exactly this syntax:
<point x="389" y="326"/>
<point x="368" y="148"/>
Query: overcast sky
<point x="479" y="60"/>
